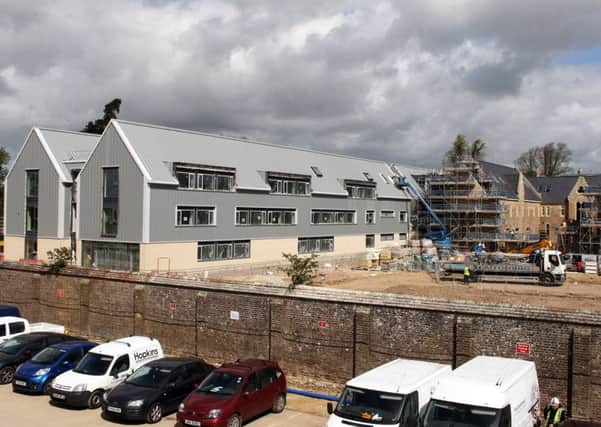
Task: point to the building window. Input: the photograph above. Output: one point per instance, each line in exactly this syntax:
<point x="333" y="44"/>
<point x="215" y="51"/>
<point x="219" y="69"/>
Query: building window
<point x="370" y="241"/>
<point x="387" y="236"/>
<point x="32" y="184"/>
<point x="370" y="217"/>
<point x="386" y="214"/>
<point x="195" y="216"/>
<point x="205" y="179"/>
<point x="218" y="251"/>
<point x="111" y="256"/>
<point x="319" y="216"/>
<point x="257" y="216"/>
<point x="563" y="211"/>
<point x="403" y="216"/>
<point x="290" y="186"/>
<point x="402" y="236"/>
<point x="307" y="245"/>
<point x="547" y="211"/>
<point x="358" y="191"/>
<point x="317" y="171"/>
<point x="110" y="201"/>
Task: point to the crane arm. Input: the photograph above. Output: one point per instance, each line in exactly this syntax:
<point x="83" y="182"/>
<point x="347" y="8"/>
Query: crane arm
<point x="437" y="235"/>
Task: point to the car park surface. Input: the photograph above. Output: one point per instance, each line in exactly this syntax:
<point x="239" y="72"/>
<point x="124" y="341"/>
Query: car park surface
<point x="25" y="410"/>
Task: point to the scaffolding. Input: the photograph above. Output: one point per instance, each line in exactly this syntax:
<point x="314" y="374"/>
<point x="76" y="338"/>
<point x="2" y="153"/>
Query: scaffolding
<point x="589" y="215"/>
<point x="469" y="202"/>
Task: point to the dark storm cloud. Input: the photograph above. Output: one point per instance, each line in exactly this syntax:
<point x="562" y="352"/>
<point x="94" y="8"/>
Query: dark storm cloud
<point x="388" y="80"/>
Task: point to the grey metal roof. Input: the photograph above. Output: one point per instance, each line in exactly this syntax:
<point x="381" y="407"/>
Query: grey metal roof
<point x="555" y="189"/>
<point x="68" y="148"/>
<point x="157" y="148"/>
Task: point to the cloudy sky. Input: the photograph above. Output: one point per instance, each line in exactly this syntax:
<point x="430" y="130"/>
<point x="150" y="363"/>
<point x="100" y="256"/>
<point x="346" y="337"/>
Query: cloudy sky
<point x="391" y="80"/>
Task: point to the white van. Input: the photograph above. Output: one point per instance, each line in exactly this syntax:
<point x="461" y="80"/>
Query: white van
<point x="11" y="326"/>
<point x="101" y="369"/>
<point x="486" y="391"/>
<point x="393" y="394"/>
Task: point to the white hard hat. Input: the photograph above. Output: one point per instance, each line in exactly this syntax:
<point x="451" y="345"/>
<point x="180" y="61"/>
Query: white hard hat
<point x="555" y="401"/>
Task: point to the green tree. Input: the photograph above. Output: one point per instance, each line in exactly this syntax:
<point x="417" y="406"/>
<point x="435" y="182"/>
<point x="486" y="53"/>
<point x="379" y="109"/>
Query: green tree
<point x="111" y="110"/>
<point x="4" y="159"/>
<point x="552" y="159"/>
<point x="462" y="148"/>
<point x="58" y="258"/>
<point x="301" y="269"/>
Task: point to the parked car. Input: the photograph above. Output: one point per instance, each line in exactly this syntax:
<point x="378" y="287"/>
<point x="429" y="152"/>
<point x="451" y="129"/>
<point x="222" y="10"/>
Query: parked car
<point x="103" y="368"/>
<point x="35" y="375"/>
<point x="155" y="389"/>
<point x="11" y="326"/>
<point x="21" y="348"/>
<point x="235" y="393"/>
<point x="9" y="310"/>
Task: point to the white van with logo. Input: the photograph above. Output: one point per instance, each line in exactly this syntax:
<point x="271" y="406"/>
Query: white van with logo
<point x="486" y="391"/>
<point x="391" y="395"/>
<point x="101" y="369"/>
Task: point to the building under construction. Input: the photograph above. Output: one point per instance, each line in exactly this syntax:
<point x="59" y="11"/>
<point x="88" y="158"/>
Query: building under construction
<point x="482" y="202"/>
<point x="589" y="229"/>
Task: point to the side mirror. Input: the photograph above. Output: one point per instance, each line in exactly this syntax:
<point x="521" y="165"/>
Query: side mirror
<point x="330" y="408"/>
<point x="246" y="395"/>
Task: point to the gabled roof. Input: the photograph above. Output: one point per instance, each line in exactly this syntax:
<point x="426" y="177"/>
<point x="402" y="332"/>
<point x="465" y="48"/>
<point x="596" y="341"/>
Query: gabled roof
<point x="66" y="147"/>
<point x="593" y="180"/>
<point x="555" y="189"/>
<point x="507" y="179"/>
<point x="157" y="148"/>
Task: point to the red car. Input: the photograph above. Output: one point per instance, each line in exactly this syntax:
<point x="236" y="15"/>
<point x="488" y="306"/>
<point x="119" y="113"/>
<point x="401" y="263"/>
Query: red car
<point x="235" y="393"/>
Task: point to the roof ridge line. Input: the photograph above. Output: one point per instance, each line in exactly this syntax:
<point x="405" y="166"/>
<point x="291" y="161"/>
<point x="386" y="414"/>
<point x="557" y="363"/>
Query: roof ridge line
<point x="240" y="139"/>
<point x="69" y="131"/>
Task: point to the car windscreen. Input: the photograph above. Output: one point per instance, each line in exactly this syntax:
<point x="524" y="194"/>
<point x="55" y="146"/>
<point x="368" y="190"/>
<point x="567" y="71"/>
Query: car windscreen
<point x="443" y="414"/>
<point x="48" y="356"/>
<point x="149" y="376"/>
<point x="220" y="383"/>
<point x="14" y="345"/>
<point x="369" y="405"/>
<point x="93" y="364"/>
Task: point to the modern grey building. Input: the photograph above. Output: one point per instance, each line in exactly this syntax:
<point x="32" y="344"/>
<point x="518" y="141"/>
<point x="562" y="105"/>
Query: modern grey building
<point x="155" y="198"/>
<point x="40" y="194"/>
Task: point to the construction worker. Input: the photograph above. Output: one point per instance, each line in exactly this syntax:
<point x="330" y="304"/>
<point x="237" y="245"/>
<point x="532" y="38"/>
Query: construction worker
<point x="466" y="274"/>
<point x="554" y="413"/>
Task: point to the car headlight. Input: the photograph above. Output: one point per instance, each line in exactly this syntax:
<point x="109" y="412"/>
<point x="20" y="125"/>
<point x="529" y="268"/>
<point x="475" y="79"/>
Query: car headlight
<point x="41" y="372"/>
<point x="80" y="387"/>
<point x="214" y="413"/>
<point x="135" y="403"/>
<point x="181" y="407"/>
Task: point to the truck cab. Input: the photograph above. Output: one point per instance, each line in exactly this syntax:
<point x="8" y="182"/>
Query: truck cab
<point x="393" y="394"/>
<point x="486" y="391"/>
<point x="11" y="326"/>
<point x="553" y="269"/>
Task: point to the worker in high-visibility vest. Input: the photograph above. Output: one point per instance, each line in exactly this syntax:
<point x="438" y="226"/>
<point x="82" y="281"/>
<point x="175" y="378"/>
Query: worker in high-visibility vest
<point x="554" y="413"/>
<point x="466" y="274"/>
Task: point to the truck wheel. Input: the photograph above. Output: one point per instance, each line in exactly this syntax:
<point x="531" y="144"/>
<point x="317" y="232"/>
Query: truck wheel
<point x="154" y="414"/>
<point x="7" y="374"/>
<point x="548" y="279"/>
<point x="95" y="400"/>
<point x="278" y="404"/>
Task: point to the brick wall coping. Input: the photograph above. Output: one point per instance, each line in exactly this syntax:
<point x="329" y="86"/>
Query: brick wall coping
<point x="364" y="298"/>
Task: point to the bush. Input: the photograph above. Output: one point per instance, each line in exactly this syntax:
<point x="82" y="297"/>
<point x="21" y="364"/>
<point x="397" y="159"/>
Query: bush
<point x="58" y="258"/>
<point x="301" y="269"/>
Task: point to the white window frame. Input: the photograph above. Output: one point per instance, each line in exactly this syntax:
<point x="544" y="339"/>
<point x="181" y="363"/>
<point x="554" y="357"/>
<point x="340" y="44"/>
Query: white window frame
<point x="267" y="223"/>
<point x="216" y="243"/>
<point x="334" y="212"/>
<point x="403" y="216"/>
<point x="386" y="234"/>
<point x="393" y="214"/>
<point x="313" y="239"/>
<point x="214" y="208"/>
<point x="373" y="211"/>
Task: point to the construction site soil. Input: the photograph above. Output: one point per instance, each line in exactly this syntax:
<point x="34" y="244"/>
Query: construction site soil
<point x="581" y="292"/>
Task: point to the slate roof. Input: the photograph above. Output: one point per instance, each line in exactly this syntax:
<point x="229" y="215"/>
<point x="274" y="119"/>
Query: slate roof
<point x="157" y="148"/>
<point x="555" y="189"/>
<point x="507" y="178"/>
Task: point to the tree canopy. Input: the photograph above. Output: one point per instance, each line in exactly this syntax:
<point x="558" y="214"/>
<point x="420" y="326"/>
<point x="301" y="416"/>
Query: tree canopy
<point x="462" y="148"/>
<point x="552" y="159"/>
<point x="111" y="110"/>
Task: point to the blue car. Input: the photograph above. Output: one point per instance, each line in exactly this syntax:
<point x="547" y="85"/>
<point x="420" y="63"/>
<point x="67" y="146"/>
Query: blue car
<point x="35" y="375"/>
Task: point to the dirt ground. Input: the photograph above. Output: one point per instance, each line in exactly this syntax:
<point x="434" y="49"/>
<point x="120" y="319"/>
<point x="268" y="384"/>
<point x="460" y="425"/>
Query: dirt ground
<point x="580" y="292"/>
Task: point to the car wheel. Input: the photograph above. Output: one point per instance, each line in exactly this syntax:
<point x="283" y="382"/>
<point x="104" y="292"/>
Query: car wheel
<point x="95" y="400"/>
<point x="7" y="374"/>
<point x="154" y="414"/>
<point x="278" y="404"/>
<point x="234" y="421"/>
<point x="46" y="389"/>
